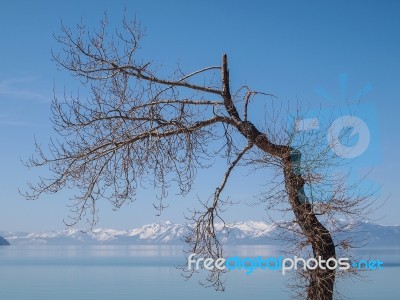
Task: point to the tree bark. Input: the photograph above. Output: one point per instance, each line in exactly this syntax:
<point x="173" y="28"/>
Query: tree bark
<point x="321" y="281"/>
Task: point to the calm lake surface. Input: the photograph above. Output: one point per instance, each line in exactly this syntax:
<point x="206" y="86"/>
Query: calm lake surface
<point x="149" y="272"/>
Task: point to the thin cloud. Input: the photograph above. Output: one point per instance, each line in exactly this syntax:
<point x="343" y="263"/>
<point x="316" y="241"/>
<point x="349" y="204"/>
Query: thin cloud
<point x="7" y="120"/>
<point x="15" y="123"/>
<point x="21" y="88"/>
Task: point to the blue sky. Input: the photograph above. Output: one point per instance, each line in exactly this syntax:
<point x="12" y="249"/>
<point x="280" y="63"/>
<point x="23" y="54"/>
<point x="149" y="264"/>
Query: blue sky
<point x="291" y="49"/>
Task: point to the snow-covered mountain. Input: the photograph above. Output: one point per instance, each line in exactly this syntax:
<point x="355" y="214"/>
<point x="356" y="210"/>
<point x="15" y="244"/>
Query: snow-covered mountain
<point x="241" y="233"/>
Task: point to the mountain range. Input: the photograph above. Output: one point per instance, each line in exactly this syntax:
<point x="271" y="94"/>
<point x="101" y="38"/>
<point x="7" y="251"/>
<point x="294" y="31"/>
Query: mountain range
<point x="241" y="233"/>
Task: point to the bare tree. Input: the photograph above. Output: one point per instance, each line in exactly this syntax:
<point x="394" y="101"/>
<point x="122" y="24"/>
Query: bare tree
<point x="138" y="127"/>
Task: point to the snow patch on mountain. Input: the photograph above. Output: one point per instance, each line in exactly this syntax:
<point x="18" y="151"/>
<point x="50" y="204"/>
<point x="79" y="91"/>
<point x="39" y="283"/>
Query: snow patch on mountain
<point x="239" y="233"/>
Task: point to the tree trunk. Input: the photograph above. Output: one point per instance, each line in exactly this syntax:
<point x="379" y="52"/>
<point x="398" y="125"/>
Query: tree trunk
<point x="321" y="281"/>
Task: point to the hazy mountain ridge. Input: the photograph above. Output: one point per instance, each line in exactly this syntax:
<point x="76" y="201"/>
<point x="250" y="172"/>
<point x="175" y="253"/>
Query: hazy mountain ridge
<point x="241" y="233"/>
<point x="3" y="242"/>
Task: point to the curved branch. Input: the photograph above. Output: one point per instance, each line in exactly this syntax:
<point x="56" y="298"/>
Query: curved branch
<point x="219" y="189"/>
<point x="247" y="99"/>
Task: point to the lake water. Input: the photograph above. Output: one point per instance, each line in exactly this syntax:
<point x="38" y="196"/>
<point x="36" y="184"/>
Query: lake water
<point x="149" y="272"/>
